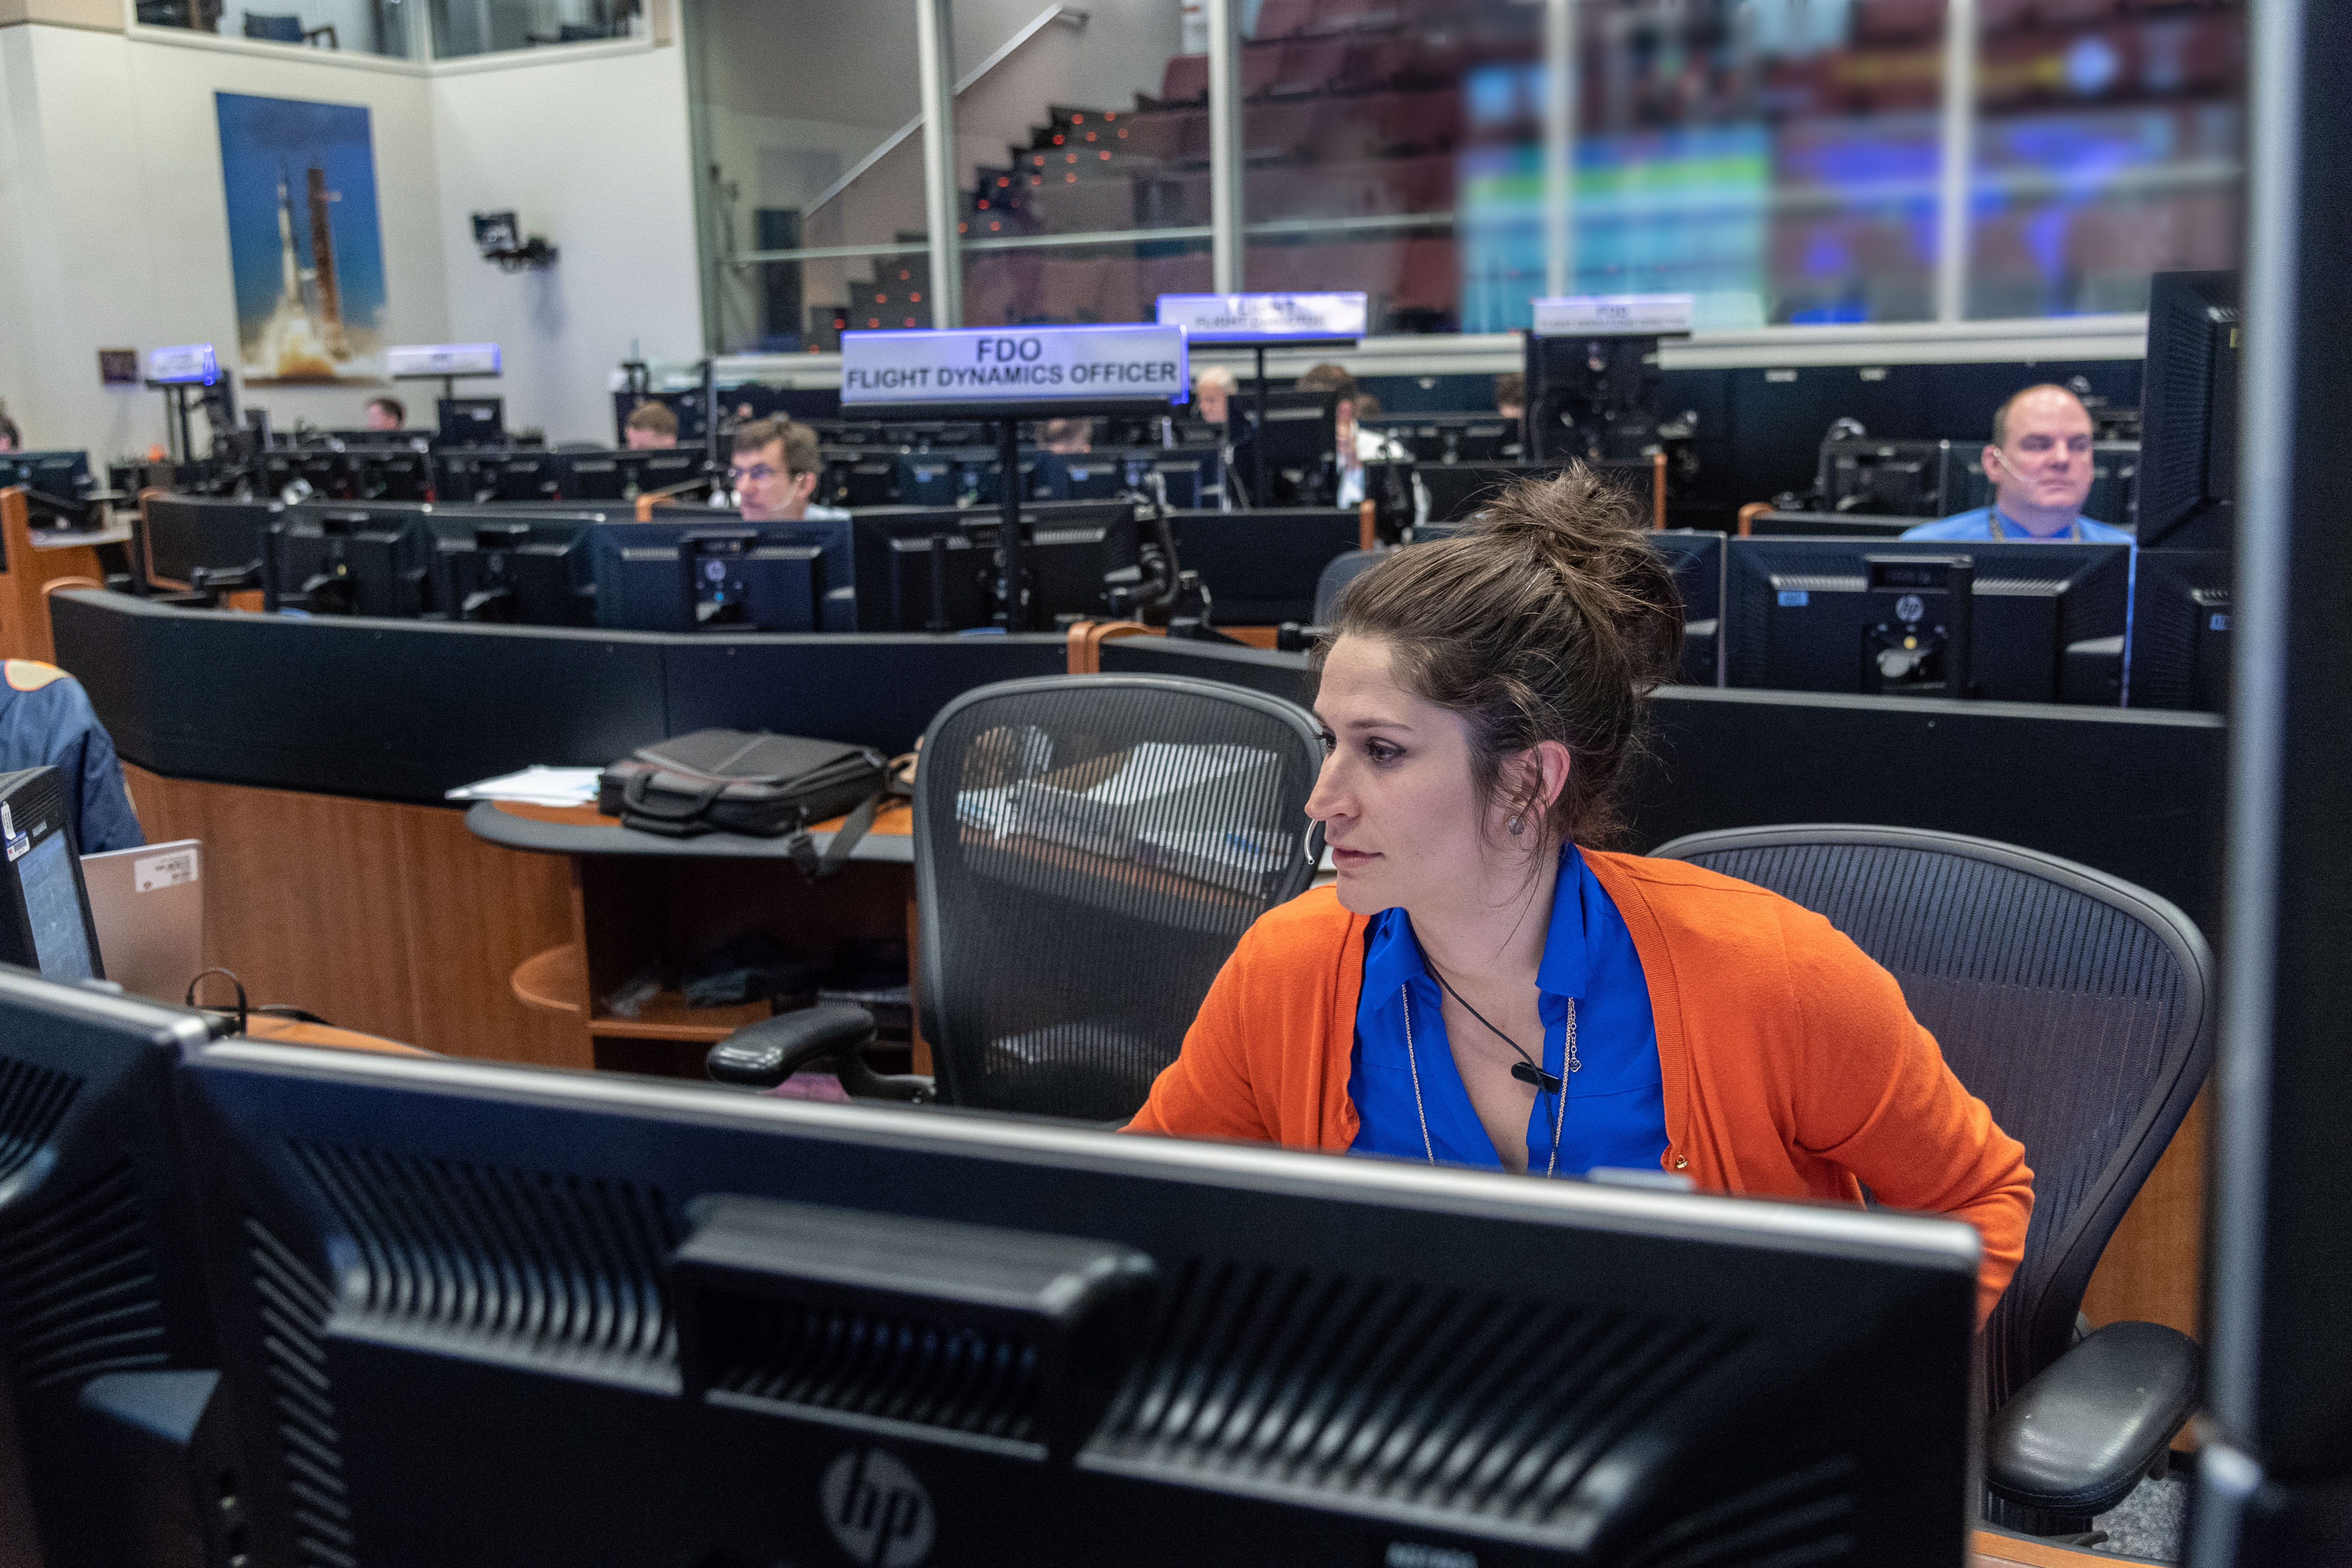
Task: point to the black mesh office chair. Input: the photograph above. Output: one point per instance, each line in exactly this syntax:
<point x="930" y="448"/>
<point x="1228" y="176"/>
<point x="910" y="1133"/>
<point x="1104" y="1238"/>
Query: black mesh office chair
<point x="2078" y="1007"/>
<point x="1088" y="848"/>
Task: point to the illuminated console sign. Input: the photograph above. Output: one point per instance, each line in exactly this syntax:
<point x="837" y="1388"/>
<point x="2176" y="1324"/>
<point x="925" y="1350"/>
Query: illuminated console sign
<point x="420" y="359"/>
<point x="1014" y="365"/>
<point x="1615" y="315"/>
<point x="1266" y="318"/>
<point x="190" y="364"/>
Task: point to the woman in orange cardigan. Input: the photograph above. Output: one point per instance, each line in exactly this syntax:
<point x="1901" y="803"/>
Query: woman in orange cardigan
<point x="1483" y="987"/>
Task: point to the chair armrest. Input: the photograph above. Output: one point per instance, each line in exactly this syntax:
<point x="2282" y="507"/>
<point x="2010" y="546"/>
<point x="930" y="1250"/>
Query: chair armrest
<point x="762" y="1055"/>
<point x="2078" y="1439"/>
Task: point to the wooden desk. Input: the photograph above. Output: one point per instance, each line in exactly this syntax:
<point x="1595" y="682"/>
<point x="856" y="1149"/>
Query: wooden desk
<point x="640" y="901"/>
<point x="1987" y="1549"/>
<point x="30" y="560"/>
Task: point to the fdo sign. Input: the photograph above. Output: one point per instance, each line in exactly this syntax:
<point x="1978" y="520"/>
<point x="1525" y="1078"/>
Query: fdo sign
<point x="1014" y="365"/>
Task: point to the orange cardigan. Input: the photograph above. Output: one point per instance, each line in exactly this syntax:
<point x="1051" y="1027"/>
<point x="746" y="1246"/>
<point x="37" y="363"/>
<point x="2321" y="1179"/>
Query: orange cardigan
<point x="1791" y="1067"/>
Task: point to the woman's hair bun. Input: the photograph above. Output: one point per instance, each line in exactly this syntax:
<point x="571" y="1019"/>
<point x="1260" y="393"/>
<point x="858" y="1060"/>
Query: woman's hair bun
<point x="1550" y="618"/>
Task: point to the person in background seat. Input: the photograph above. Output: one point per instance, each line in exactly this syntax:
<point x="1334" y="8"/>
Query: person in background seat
<point x="385" y="414"/>
<point x="1357" y="446"/>
<point x="1213" y="394"/>
<point x="11" y="438"/>
<point x="652" y="428"/>
<point x="775" y="471"/>
<point x="2039" y="466"/>
<point x="1511" y="396"/>
<point x="46" y="721"/>
<point x="1067" y="436"/>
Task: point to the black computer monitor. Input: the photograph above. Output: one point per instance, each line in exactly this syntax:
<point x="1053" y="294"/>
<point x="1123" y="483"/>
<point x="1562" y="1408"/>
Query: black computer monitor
<point x="1829" y="525"/>
<point x="721" y="573"/>
<point x="981" y="481"/>
<point x="2045" y="621"/>
<point x="58" y="476"/>
<point x="921" y="569"/>
<point x="203" y="544"/>
<point x="394" y="475"/>
<point x="670" y="472"/>
<point x="109" y="1364"/>
<point x="528" y="477"/>
<point x="1187" y="478"/>
<point x="2188" y="411"/>
<point x="472" y="421"/>
<point x="1300" y="443"/>
<point x="1698" y="562"/>
<point x="328" y="476"/>
<point x="330" y="560"/>
<point x="44" y="920"/>
<point x="2180" y="636"/>
<point x="1260" y="567"/>
<point x="929" y="478"/>
<point x="593" y="476"/>
<point x="486" y="1315"/>
<point x="1887" y="479"/>
<point x="1080" y="475"/>
<point x="496" y="566"/>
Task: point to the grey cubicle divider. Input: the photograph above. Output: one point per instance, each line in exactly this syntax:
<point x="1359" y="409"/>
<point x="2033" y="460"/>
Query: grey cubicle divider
<point x="876" y="689"/>
<point x="2132" y="792"/>
<point x="408" y="710"/>
<point x="342" y="705"/>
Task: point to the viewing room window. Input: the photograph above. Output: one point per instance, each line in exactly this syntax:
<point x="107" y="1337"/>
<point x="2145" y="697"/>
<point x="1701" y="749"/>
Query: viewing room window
<point x="1790" y="162"/>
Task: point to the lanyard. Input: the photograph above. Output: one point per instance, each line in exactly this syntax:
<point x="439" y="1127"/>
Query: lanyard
<point x="1559" y="1115"/>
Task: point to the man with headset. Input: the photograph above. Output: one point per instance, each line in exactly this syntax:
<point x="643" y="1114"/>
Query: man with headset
<point x="2039" y="466"/>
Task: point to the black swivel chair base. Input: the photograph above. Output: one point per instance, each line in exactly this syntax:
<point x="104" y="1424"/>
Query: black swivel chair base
<point x="828" y="1036"/>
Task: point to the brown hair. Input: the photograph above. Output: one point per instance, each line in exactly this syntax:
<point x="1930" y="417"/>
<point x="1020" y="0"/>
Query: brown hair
<point x="653" y="416"/>
<point x="1511" y="386"/>
<point x="801" y="454"/>
<point x="1550" y="618"/>
<point x="1330" y="378"/>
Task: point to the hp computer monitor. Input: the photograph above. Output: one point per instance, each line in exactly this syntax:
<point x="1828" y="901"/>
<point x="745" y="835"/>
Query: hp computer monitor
<point x="492" y="565"/>
<point x="1298" y="447"/>
<point x="528" y="476"/>
<point x="721" y="573"/>
<point x="489" y="1315"/>
<point x="2180" y="630"/>
<point x="394" y="475"/>
<point x="1080" y="476"/>
<point x="44" y="920"/>
<point x="348" y="561"/>
<point x="2045" y="622"/>
<point x="1888" y="478"/>
<point x="921" y="569"/>
<point x="108" y="1378"/>
<point x="2188" y="411"/>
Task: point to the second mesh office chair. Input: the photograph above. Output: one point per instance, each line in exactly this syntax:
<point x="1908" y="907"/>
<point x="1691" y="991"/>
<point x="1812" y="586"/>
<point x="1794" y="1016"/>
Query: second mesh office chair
<point x="2078" y="1007"/>
<point x="1088" y="849"/>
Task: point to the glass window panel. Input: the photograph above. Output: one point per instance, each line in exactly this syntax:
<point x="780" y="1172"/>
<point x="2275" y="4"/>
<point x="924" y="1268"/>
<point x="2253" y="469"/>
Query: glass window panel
<point x="1776" y="158"/>
<point x="2110" y="145"/>
<point x="1097" y="131"/>
<point x="365" y="26"/>
<point x="787" y="155"/>
<point x="462" y="28"/>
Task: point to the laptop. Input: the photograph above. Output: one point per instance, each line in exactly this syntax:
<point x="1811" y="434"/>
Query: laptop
<point x="148" y="905"/>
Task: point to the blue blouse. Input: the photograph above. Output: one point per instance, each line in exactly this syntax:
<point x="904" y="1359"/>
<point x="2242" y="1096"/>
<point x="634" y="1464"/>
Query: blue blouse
<point x="1616" y="1106"/>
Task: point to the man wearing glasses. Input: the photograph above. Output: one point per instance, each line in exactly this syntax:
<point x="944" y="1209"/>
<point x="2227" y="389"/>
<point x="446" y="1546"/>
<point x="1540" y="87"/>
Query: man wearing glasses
<point x="2039" y="466"/>
<point x="775" y="471"/>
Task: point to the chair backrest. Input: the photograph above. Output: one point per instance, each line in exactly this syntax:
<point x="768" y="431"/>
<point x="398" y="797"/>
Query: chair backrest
<point x="2077" y="1007"/>
<point x="1336" y="575"/>
<point x="1088" y="848"/>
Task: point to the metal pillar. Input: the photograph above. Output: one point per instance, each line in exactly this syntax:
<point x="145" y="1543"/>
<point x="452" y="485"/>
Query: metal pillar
<point x="935" y="72"/>
<point x="1958" y="141"/>
<point x="2275" y="1476"/>
<point x="1226" y="270"/>
<point x="1559" y="147"/>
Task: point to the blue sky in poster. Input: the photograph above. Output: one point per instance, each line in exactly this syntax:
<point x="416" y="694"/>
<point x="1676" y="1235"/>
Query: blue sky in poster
<point x="259" y="138"/>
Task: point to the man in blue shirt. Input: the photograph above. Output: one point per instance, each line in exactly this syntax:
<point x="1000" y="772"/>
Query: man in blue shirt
<point x="46" y="721"/>
<point x="2039" y="466"/>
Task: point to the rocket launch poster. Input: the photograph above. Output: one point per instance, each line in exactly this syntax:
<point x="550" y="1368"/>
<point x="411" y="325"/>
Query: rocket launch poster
<point x="305" y="247"/>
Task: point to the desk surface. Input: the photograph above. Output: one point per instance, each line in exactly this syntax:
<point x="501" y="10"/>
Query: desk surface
<point x="583" y="830"/>
<point x="1989" y="1549"/>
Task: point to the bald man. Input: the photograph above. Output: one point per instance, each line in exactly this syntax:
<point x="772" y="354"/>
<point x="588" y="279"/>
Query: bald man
<point x="2039" y="466"/>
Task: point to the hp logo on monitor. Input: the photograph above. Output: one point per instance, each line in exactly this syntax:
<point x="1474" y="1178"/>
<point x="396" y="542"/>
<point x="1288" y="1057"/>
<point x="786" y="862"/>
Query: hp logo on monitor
<point x="877" y="1509"/>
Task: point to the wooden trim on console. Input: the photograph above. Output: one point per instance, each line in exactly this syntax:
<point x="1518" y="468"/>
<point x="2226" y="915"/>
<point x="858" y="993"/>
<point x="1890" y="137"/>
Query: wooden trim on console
<point x="1750" y="513"/>
<point x="1087" y="638"/>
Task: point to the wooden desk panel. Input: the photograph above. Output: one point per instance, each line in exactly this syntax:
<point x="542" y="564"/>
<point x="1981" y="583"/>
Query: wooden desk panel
<point x="390" y="920"/>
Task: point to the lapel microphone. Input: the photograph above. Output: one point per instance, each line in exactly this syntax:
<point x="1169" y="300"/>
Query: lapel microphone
<point x="1527" y="1072"/>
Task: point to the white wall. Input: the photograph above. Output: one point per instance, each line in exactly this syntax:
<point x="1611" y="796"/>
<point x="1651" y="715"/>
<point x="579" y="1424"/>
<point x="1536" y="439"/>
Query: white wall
<point x="595" y="155"/>
<point x="113" y="232"/>
<point x="122" y="232"/>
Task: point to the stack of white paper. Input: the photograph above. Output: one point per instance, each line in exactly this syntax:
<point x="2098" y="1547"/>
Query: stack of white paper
<point x="536" y="785"/>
